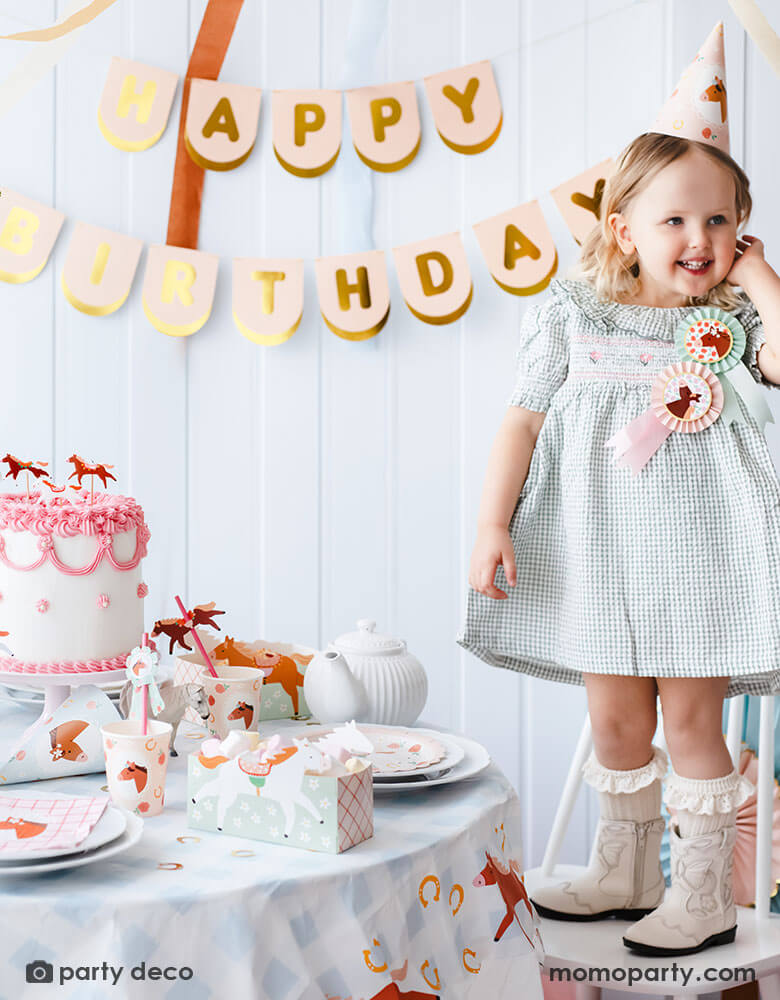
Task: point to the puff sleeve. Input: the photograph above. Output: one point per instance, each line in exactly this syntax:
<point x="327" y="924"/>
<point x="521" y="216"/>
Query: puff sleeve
<point x="542" y="355"/>
<point x="748" y="316"/>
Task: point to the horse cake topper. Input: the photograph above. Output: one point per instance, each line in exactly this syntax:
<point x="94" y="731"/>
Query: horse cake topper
<point x="697" y="108"/>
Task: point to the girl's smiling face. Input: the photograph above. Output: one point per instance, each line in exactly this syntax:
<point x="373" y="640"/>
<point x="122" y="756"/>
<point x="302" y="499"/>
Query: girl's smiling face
<point x="683" y="227"/>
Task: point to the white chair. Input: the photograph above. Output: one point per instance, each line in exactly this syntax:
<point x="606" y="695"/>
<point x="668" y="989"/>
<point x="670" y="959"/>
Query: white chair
<point x="584" y="946"/>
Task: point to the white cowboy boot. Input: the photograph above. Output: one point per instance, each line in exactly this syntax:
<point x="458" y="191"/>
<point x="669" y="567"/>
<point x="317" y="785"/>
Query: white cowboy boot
<point x="623" y="878"/>
<point x="698" y="911"/>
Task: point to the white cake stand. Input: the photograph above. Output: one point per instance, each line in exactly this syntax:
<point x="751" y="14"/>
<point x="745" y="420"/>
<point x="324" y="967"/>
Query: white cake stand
<point x="57" y="688"/>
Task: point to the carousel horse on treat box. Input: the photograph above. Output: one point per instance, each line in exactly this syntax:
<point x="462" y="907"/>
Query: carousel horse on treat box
<point x="283" y="669"/>
<point x="279" y="777"/>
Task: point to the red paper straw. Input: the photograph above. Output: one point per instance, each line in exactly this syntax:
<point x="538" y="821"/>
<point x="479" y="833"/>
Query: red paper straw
<point x="196" y="637"/>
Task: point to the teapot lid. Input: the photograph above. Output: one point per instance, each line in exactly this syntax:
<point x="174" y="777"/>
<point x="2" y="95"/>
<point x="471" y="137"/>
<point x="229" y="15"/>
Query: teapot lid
<point x="366" y="641"/>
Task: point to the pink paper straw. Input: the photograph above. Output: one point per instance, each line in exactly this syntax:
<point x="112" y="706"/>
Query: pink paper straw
<point x="196" y="637"/>
<point x="145" y="695"/>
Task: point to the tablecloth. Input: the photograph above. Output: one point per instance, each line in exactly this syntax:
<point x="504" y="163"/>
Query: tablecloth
<point x="410" y="913"/>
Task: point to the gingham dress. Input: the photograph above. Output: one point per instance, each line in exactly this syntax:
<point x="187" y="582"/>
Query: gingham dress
<point x="674" y="572"/>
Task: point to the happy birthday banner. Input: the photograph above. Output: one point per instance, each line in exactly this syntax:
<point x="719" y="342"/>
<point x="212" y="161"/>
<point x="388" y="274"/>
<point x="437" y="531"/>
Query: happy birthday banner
<point x="267" y="296"/>
<point x="222" y="118"/>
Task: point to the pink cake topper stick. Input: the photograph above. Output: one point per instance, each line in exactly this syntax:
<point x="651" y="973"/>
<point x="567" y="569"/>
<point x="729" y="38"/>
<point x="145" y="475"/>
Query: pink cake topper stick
<point x="196" y="637"/>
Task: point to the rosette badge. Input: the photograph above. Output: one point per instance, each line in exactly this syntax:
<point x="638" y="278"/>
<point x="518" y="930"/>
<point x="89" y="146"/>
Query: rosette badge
<point x="717" y="340"/>
<point x="686" y="397"/>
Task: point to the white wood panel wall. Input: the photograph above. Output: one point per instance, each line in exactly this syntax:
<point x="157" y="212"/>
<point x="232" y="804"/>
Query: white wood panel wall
<point x="307" y="485"/>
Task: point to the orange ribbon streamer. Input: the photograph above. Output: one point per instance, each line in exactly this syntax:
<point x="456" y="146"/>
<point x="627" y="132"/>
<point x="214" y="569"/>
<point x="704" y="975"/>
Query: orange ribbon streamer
<point x="208" y="54"/>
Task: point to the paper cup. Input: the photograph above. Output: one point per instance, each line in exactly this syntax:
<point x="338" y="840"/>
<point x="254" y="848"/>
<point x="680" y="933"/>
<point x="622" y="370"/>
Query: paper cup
<point x="234" y="697"/>
<point x="136" y="764"/>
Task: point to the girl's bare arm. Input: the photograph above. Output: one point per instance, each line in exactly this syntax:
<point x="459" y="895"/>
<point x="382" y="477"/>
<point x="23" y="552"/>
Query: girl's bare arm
<point x="507" y="469"/>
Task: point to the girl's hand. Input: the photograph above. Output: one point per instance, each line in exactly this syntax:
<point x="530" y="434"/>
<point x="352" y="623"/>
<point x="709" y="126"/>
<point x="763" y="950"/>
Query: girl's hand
<point x="493" y="546"/>
<point x="749" y="249"/>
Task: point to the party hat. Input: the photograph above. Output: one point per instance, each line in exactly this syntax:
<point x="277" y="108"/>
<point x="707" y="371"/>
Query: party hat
<point x="697" y="107"/>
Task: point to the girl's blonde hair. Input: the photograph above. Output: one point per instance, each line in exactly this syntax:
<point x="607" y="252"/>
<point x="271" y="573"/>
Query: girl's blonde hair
<point x="615" y="275"/>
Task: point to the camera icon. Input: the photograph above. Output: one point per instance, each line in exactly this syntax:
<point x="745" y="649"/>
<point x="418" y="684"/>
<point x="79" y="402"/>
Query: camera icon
<point x="40" y="972"/>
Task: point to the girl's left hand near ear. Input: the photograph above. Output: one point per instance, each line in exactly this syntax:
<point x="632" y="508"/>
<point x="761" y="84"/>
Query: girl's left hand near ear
<point x="749" y="249"/>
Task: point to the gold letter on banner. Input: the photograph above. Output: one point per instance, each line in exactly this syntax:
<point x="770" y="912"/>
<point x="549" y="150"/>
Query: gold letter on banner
<point x="518" y="249"/>
<point x="306" y="130"/>
<point x="434" y="277"/>
<point x="179" y="289"/>
<point x="354" y="294"/>
<point x="579" y="200"/>
<point x="267" y="298"/>
<point x="135" y="105"/>
<point x="99" y="269"/>
<point x="466" y="107"/>
<point x="385" y="125"/>
<point x="221" y="125"/>
<point x="27" y="234"/>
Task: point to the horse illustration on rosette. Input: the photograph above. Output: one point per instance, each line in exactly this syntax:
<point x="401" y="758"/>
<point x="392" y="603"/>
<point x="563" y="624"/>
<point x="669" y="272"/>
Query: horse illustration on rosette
<point x="280" y="778"/>
<point x="22" y="829"/>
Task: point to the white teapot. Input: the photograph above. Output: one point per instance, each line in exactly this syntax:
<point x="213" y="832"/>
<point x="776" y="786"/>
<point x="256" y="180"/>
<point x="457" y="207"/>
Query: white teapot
<point x="385" y="684"/>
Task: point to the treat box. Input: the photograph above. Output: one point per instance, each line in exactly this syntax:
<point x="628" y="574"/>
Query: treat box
<point x="280" y="802"/>
<point x="283" y="688"/>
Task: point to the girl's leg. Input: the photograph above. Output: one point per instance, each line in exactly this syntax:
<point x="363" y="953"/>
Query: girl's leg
<point x="705" y="790"/>
<point x="692" y="710"/>
<point x="623" y="877"/>
<point x="623" y="719"/>
<point x="624" y="765"/>
<point x="704" y="786"/>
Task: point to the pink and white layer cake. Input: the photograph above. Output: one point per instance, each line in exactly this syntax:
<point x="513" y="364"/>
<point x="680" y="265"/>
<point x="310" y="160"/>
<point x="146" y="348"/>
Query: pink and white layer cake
<point x="71" y="590"/>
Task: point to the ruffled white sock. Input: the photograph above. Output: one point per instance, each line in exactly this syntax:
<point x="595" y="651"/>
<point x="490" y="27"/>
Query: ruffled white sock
<point x="704" y="805"/>
<point x="634" y="794"/>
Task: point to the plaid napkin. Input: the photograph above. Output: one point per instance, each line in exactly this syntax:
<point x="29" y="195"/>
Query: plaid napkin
<point x="47" y="823"/>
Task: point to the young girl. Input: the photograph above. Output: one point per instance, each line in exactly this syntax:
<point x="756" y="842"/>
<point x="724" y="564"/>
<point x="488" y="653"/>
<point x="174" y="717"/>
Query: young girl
<point x="662" y="578"/>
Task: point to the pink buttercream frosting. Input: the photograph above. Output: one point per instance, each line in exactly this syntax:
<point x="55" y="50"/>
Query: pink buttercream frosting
<point x="9" y="664"/>
<point x="69" y="516"/>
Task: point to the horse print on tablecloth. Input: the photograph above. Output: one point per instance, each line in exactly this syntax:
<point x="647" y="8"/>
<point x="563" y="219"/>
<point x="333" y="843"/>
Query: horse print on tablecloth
<point x="507" y="877"/>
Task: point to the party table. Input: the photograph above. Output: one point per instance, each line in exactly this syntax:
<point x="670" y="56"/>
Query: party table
<point x="411" y="913"/>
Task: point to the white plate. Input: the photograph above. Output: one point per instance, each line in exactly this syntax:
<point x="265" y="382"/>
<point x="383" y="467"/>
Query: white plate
<point x="453" y="755"/>
<point x="475" y="759"/>
<point x="111" y="825"/>
<point x="454" y="752"/>
<point x="131" y="836"/>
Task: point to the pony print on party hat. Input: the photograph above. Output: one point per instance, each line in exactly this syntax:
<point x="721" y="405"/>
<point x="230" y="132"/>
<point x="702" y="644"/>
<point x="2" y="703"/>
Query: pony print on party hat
<point x="697" y="108"/>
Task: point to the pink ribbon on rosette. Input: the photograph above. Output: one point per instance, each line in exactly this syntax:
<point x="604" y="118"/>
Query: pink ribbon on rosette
<point x="685" y="397"/>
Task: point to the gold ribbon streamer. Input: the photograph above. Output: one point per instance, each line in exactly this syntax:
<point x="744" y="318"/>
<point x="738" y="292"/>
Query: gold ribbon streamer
<point x="764" y="36"/>
<point x="77" y="20"/>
